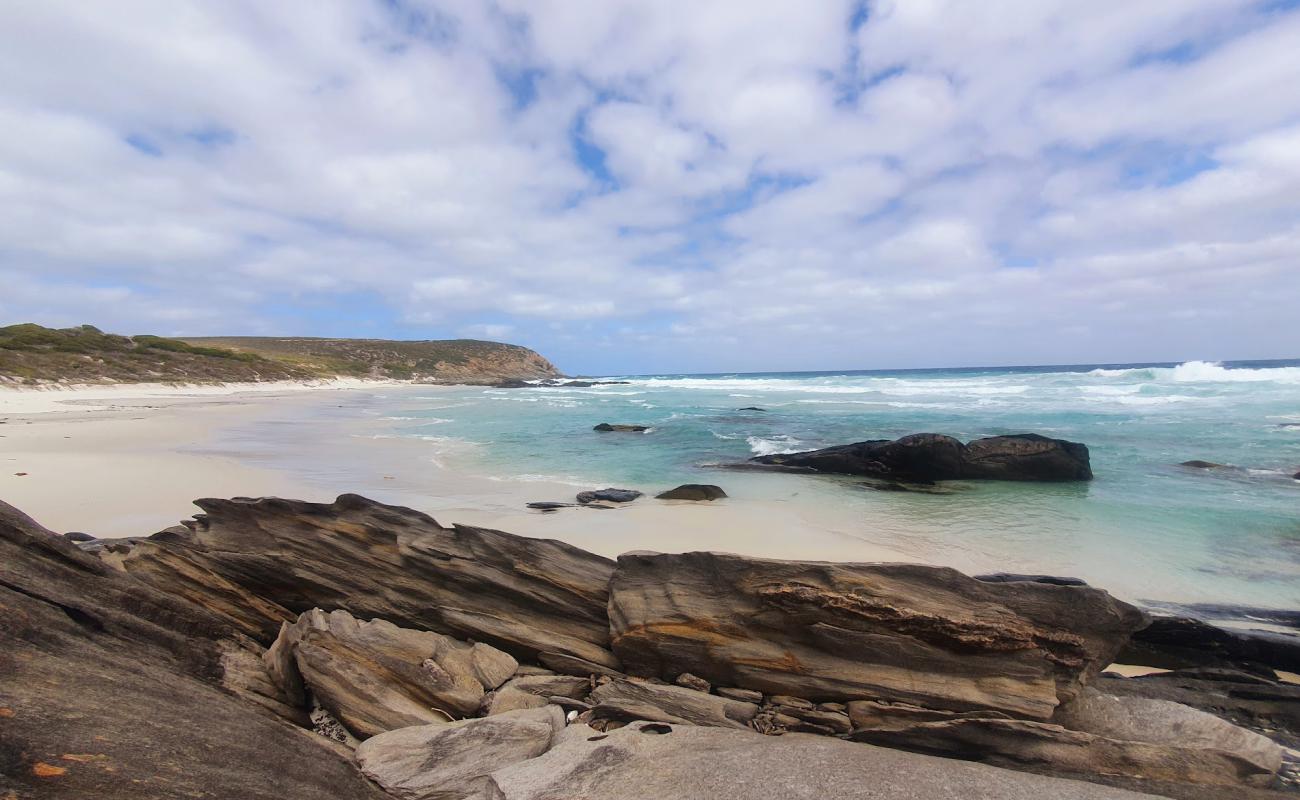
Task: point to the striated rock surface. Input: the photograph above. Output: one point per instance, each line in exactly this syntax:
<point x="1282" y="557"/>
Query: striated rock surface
<point x="258" y="562"/>
<point x="683" y="762"/>
<point x="632" y="700"/>
<point x="909" y="633"/>
<point x="451" y="761"/>
<point x="112" y="688"/>
<point x="374" y="676"/>
<point x="928" y="457"/>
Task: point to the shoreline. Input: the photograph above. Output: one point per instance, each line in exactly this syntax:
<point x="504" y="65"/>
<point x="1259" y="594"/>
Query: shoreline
<point x="128" y="461"/>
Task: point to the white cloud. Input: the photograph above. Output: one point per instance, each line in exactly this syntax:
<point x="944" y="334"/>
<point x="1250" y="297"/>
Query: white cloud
<point x="675" y="185"/>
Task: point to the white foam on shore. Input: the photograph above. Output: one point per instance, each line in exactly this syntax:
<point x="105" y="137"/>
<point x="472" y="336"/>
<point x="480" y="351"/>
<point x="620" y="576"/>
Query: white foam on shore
<point x="773" y="446"/>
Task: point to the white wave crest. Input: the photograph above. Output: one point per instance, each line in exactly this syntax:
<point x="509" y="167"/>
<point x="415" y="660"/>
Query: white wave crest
<point x="773" y="446"/>
<point x="1210" y="372"/>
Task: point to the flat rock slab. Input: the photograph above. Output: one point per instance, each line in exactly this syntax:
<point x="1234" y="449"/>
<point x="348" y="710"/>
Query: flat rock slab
<point x="930" y="636"/>
<point x="682" y="762"/>
<point x="638" y="700"/>
<point x="451" y="761"/>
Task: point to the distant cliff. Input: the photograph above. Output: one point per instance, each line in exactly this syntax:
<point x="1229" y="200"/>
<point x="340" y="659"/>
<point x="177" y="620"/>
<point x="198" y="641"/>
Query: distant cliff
<point x="31" y="355"/>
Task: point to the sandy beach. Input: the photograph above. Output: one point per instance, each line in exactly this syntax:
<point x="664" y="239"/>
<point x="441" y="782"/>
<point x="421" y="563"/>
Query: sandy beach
<point x="129" y="460"/>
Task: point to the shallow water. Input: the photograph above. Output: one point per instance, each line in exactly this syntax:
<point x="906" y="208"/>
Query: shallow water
<point x="1145" y="527"/>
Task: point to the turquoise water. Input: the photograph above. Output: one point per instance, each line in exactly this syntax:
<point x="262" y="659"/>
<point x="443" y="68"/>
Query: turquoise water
<point x="1145" y="524"/>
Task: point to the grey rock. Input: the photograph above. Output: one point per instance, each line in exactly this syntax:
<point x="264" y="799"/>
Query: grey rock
<point x="1026" y="744"/>
<point x="834" y="632"/>
<point x="608" y="495"/>
<point x="693" y="491"/>
<point x="508" y="698"/>
<point x="654" y="760"/>
<point x="454" y="760"/>
<point x="633" y="700"/>
<point x="1173" y="725"/>
<point x="606" y="427"/>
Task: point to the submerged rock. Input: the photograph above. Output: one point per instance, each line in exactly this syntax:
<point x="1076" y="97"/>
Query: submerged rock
<point x="932" y="457"/>
<point x="606" y="427"/>
<point x="693" y="491"/>
<point x="909" y="633"/>
<point x="1197" y="464"/>
<point x="608" y="495"/>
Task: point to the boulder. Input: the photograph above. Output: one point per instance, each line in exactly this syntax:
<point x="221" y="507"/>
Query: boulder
<point x="693" y="491"/>
<point x="1045" y="746"/>
<point x="606" y="427"/>
<point x="928" y="457"/>
<point x="454" y="760"/>
<point x="114" y="688"/>
<point x="683" y="762"/>
<point x="608" y="496"/>
<point x="374" y="676"/>
<point x="553" y="685"/>
<point x="258" y="562"/>
<point x="628" y="700"/>
<point x="1172" y="725"/>
<point x="1180" y="642"/>
<point x="833" y="632"/>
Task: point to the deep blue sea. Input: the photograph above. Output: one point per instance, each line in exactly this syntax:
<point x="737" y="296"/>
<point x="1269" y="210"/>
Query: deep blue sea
<point x="1230" y="535"/>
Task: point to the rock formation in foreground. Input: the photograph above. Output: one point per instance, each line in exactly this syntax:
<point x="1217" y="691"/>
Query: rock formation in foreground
<point x="282" y="649"/>
<point x="929" y="457"/>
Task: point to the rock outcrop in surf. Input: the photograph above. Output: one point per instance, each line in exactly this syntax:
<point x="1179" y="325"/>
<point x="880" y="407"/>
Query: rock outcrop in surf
<point x="929" y="457"/>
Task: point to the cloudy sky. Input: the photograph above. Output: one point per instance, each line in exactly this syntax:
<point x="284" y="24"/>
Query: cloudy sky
<point x="665" y="185"/>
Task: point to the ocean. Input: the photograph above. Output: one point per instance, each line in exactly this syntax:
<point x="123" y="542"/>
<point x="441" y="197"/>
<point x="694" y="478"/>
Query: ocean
<point x="1147" y="528"/>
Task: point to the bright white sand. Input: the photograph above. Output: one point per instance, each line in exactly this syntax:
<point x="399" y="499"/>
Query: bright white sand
<point x="128" y="461"/>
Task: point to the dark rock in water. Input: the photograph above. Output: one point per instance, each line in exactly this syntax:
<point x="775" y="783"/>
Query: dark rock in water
<point x="1197" y="464"/>
<point x="928" y="457"/>
<point x="114" y="688"/>
<point x="512" y="383"/>
<point x="899" y="632"/>
<point x="608" y="495"/>
<point x="78" y="536"/>
<point x="1179" y="642"/>
<point x="549" y="506"/>
<point x="607" y="427"/>
<point x="914" y="488"/>
<point x="693" y="491"/>
<point x="751" y="408"/>
<point x="252" y="561"/>
<point x="1296" y="476"/>
<point x="1011" y="577"/>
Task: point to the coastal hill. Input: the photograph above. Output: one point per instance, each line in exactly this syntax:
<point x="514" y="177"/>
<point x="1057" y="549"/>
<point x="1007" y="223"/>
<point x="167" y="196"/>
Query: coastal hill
<point x="33" y="355"/>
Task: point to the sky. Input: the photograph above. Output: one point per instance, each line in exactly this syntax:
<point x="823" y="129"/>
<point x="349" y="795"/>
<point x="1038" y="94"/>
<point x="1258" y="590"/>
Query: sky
<point x="663" y="186"/>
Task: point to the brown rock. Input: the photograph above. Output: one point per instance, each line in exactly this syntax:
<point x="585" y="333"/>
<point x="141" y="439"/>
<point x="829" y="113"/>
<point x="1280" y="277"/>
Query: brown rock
<point x="508" y="698"/>
<point x="691" y="682"/>
<point x="250" y="560"/>
<point x="744" y="695"/>
<point x="909" y="633"/>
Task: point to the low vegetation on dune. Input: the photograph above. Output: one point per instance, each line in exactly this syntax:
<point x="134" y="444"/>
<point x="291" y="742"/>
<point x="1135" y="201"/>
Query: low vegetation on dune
<point x="31" y="354"/>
